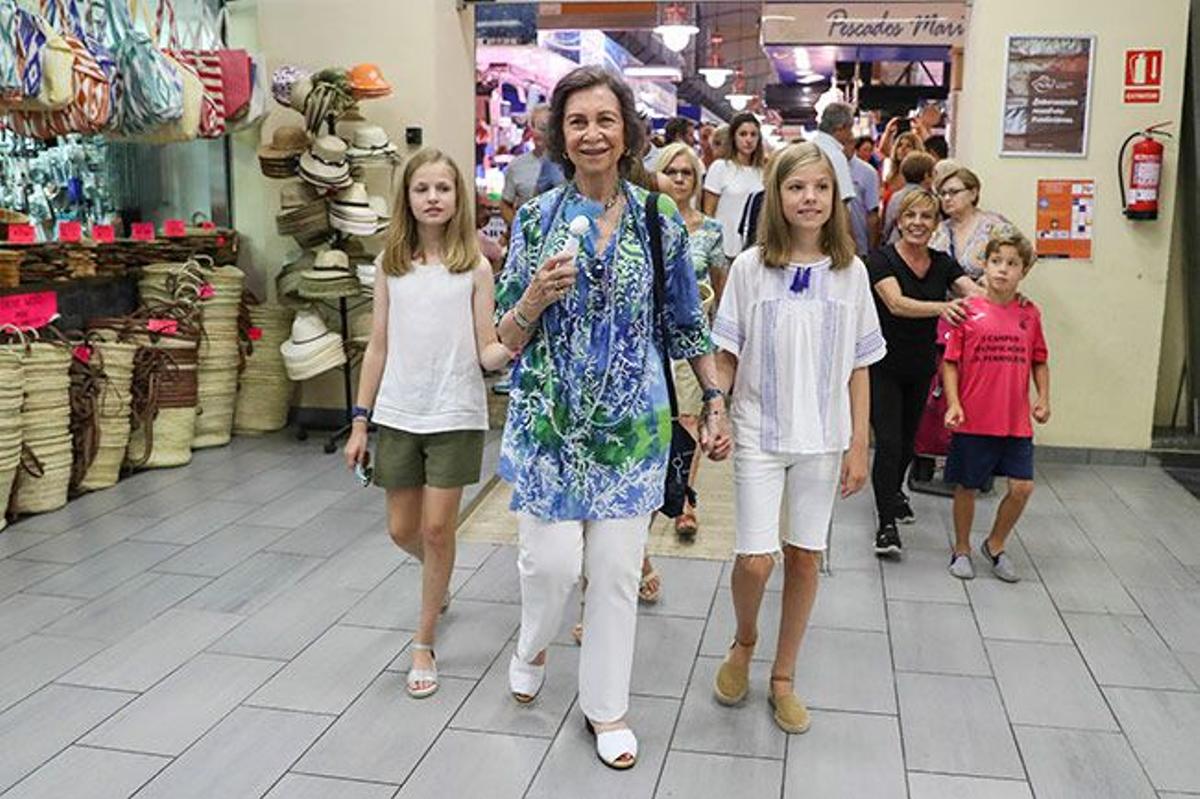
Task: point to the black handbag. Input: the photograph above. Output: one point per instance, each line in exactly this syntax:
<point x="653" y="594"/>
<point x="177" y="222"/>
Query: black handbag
<point x="676" y="491"/>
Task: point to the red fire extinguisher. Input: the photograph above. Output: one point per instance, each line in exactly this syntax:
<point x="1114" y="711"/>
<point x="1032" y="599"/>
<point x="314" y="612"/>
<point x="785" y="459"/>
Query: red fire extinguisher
<point x="1145" y="173"/>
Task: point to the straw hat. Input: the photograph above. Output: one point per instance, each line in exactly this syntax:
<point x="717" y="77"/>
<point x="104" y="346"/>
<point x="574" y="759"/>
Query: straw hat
<point x="352" y="212"/>
<point x="366" y="81"/>
<point x="281" y="157"/>
<point x="330" y="278"/>
<point x="313" y="348"/>
<point x="370" y="142"/>
<point x="349" y="122"/>
<point x="325" y="164"/>
<point x="282" y="80"/>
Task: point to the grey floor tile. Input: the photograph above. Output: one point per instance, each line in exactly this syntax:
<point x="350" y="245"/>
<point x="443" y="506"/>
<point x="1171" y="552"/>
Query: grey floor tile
<point x="292" y="621"/>
<point x="1089" y="586"/>
<point x="74" y="514"/>
<point x="395" y="604"/>
<point x="34" y="730"/>
<point x="1020" y="612"/>
<point x="326" y="677"/>
<point x="496" y="580"/>
<point x="851" y="546"/>
<point x="170" y="500"/>
<point x="1191" y="664"/>
<point x="294" y="508"/>
<point x="1174" y="613"/>
<point x="944" y="786"/>
<point x="15" y="541"/>
<point x="491" y="708"/>
<point x="242" y="756"/>
<point x="936" y="637"/>
<point x="22" y="614"/>
<point x="83" y="773"/>
<point x="665" y="650"/>
<point x="503" y="766"/>
<point x="125" y="609"/>
<point x="1126" y="651"/>
<point x="1069" y="763"/>
<point x="922" y="576"/>
<point x="747" y="729"/>
<point x="846" y="670"/>
<point x="687" y="775"/>
<point x="1139" y="560"/>
<point x="301" y="786"/>
<point x="850" y="600"/>
<point x="469" y="554"/>
<point x="1055" y="536"/>
<point x="197" y="522"/>
<point x="17" y="575"/>
<point x="1162" y="727"/>
<point x="688" y="587"/>
<point x="37" y="660"/>
<point x="101" y="573"/>
<point x="172" y="715"/>
<point x="1048" y="685"/>
<point x="266" y="485"/>
<point x="385" y="733"/>
<point x="329" y="532"/>
<point x="722" y="625"/>
<point x="360" y="566"/>
<point x="87" y="540"/>
<point x="572" y="769"/>
<point x="956" y="725"/>
<point x="154" y="651"/>
<point x="846" y="754"/>
<point x="249" y="587"/>
<point x="221" y="551"/>
<point x="470" y="636"/>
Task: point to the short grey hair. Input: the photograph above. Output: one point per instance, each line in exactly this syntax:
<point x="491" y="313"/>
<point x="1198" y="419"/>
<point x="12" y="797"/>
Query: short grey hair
<point x="836" y="115"/>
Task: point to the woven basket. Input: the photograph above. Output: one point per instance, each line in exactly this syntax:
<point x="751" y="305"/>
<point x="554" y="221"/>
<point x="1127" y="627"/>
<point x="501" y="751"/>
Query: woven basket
<point x="106" y="467"/>
<point x="214" y="425"/>
<point x="174" y="428"/>
<point x="32" y="494"/>
<point x="7" y="476"/>
<point x="262" y="406"/>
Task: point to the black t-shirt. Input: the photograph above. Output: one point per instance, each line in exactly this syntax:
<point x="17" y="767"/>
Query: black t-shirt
<point x="911" y="343"/>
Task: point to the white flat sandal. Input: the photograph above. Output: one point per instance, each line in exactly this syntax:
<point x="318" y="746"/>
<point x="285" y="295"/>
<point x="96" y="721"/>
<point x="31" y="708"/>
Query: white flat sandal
<point x="417" y="676"/>
<point x="612" y="745"/>
<point x="525" y="679"/>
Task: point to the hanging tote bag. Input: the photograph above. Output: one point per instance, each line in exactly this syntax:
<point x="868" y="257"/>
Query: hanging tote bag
<point x="260" y="92"/>
<point x="235" y="63"/>
<point x="44" y="62"/>
<point x="91" y="105"/>
<point x="10" y="73"/>
<point x="206" y="65"/>
<point x="148" y="88"/>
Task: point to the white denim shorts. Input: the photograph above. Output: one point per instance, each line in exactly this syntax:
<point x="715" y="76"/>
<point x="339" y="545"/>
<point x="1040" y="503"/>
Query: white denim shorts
<point x="762" y="482"/>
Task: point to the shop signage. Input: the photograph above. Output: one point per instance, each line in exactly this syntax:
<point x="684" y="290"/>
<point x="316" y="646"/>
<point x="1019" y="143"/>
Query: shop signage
<point x="142" y="231"/>
<point x="942" y="24"/>
<point x="70" y="231"/>
<point x="1047" y="95"/>
<point x="28" y="311"/>
<point x="1065" y="210"/>
<point x="21" y="234"/>
<point x="174" y="229"/>
<point x="103" y="234"/>
<point x="1143" y="77"/>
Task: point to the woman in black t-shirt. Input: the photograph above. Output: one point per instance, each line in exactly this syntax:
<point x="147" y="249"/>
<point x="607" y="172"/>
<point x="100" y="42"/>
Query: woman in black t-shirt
<point x="912" y="283"/>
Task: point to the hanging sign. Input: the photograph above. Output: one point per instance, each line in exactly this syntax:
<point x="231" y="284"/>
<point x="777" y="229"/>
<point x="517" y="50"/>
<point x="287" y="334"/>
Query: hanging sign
<point x="928" y="24"/>
<point x="1065" y="211"/>
<point x="1047" y="95"/>
<point x="103" y="234"/>
<point x="1143" y="77"/>
<point x="142" y="231"/>
<point x="21" y="234"/>
<point x="28" y="311"/>
<point x="70" y="231"/>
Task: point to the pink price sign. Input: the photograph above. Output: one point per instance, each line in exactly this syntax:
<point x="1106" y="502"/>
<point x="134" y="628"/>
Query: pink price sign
<point x="103" y="234"/>
<point x="70" y="231"/>
<point x="174" y="229"/>
<point x="142" y="231"/>
<point x="32" y="310"/>
<point x="21" y="234"/>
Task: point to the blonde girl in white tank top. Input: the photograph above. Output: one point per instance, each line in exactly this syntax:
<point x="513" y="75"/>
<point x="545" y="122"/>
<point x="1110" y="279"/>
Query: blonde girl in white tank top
<point x="421" y="380"/>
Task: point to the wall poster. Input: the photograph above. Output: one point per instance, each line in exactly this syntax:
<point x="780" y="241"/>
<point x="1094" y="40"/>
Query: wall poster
<point x="1065" y="212"/>
<point x="1047" y="95"/>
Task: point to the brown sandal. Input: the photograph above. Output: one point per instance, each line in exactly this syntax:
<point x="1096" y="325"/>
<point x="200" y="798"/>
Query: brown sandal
<point x="790" y="713"/>
<point x="733" y="682"/>
<point x="686" y="525"/>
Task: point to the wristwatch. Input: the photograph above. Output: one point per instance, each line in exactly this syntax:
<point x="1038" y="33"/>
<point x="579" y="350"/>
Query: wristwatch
<point x="359" y="412"/>
<point x="711" y="394"/>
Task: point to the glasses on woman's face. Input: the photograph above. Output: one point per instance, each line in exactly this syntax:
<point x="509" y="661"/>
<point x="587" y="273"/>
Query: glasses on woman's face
<point x="950" y="194"/>
<point x="682" y="172"/>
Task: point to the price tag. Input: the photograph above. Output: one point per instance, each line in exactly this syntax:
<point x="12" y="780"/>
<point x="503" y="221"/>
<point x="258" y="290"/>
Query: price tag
<point x="207" y="291"/>
<point x="70" y="231"/>
<point x="208" y="225"/>
<point x="220" y="241"/>
<point x="174" y="229"/>
<point x="103" y="234"/>
<point x="83" y="353"/>
<point x="255" y="333"/>
<point x="142" y="231"/>
<point x="168" y="326"/>
<point x="21" y="234"/>
<point x="28" y="310"/>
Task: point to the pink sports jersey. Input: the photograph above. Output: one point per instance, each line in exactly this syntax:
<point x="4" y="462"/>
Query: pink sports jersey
<point x="995" y="349"/>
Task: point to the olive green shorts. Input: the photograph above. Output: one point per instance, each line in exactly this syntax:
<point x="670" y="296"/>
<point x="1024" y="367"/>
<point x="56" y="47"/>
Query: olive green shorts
<point x="443" y="460"/>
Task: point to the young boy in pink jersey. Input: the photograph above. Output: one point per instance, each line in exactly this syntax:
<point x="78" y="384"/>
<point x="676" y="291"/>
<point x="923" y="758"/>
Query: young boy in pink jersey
<point x="989" y="359"/>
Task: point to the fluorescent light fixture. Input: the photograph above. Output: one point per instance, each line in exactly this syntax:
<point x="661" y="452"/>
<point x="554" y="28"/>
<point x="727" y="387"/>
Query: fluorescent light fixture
<point x="654" y="71"/>
<point x="739" y="101"/>
<point x="803" y="63"/>
<point x="676" y="37"/>
<point x="715" y="76"/>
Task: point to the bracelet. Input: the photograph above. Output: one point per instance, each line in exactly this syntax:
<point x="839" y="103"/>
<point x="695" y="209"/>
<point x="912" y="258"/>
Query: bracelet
<point x="359" y="412"/>
<point x="525" y="324"/>
<point x="711" y="394"/>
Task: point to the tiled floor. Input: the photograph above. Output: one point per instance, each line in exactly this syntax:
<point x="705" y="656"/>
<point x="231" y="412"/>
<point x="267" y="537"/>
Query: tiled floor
<point x="237" y="628"/>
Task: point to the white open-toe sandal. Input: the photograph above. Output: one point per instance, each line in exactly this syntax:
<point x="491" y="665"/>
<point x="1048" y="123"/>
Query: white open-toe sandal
<point x="417" y="676"/>
<point x="525" y="679"/>
<point x="611" y="745"/>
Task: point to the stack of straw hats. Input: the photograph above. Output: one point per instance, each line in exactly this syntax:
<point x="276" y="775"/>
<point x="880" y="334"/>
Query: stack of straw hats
<point x="370" y="145"/>
<point x="115" y="362"/>
<point x="303" y="214"/>
<point x="11" y="396"/>
<point x="313" y="348"/>
<point x="367" y="82"/>
<point x="217" y="372"/>
<point x="163" y="412"/>
<point x="45" y="429"/>
<point x="330" y="278"/>
<point x="356" y="213"/>
<point x="281" y="158"/>
<point x="10" y="268"/>
<point x="265" y="391"/>
<point x="325" y="165"/>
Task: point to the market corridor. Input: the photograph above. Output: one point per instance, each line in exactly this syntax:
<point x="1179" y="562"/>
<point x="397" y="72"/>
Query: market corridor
<point x="237" y="628"/>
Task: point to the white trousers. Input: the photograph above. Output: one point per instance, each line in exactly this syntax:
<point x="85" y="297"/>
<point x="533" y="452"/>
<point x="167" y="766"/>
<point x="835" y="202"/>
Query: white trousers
<point x="551" y="558"/>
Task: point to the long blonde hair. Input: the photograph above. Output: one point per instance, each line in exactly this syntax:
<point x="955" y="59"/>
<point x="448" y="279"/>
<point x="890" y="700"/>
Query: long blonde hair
<point x="774" y="232"/>
<point x="460" y="247"/>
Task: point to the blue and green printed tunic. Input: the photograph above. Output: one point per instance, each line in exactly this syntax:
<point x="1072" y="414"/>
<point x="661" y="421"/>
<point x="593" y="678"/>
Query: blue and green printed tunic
<point x="588" y="430"/>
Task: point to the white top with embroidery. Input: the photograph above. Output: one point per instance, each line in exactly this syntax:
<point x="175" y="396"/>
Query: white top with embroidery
<point x="798" y="333"/>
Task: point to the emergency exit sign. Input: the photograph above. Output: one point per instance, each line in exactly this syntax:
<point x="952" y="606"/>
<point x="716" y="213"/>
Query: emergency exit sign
<point x="1143" y="77"/>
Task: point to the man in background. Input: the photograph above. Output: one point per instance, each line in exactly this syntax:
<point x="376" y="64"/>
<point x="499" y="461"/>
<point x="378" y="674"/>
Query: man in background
<point x="531" y="173"/>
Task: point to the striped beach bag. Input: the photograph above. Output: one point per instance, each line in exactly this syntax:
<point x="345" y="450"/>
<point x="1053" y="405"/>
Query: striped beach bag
<point x="206" y="63"/>
<point x="42" y="61"/>
<point x="148" y="88"/>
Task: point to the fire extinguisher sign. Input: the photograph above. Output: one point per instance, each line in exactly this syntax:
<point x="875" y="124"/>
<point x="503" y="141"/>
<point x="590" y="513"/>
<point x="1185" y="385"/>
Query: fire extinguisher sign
<point x="1143" y="77"/>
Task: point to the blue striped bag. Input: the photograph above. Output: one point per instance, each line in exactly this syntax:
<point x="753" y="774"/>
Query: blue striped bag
<point x="147" y="86"/>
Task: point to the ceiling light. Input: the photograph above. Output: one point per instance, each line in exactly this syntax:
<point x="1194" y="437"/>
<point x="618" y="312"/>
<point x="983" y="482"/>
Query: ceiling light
<point x="676" y="29"/>
<point x="739" y="101"/>
<point x="716" y="76"/>
<point x="655" y="72"/>
<point x="803" y="63"/>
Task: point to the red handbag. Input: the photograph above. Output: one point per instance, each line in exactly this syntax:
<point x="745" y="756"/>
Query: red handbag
<point x="207" y="66"/>
<point x="235" y="69"/>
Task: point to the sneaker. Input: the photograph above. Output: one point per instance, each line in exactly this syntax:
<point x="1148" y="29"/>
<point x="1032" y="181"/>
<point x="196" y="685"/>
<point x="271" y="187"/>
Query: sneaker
<point x="960" y="567"/>
<point x="887" y="540"/>
<point x="904" y="511"/>
<point x="1001" y="564"/>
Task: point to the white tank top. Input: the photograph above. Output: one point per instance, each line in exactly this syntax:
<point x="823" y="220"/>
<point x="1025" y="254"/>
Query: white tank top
<point x="432" y="381"/>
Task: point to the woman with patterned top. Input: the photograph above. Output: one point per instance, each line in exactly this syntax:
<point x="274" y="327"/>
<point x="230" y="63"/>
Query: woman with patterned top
<point x="588" y="432"/>
<point x="965" y="231"/>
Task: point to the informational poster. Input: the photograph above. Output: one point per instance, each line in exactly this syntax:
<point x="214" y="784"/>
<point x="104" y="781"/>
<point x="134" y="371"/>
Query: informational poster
<point x="1047" y="95"/>
<point x="1065" y="210"/>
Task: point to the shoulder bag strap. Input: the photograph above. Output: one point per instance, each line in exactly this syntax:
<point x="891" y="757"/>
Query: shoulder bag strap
<point x="654" y="229"/>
